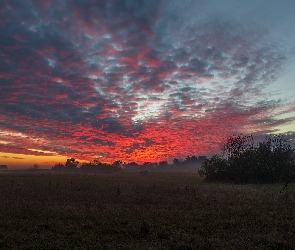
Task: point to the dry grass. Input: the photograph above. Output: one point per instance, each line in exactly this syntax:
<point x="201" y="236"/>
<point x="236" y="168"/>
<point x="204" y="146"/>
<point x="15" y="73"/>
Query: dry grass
<point x="131" y="211"/>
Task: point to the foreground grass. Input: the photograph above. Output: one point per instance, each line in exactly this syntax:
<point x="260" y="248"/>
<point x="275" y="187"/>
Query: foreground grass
<point x="130" y="211"/>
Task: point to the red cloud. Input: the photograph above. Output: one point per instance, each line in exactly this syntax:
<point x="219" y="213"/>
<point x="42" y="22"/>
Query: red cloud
<point x="94" y="79"/>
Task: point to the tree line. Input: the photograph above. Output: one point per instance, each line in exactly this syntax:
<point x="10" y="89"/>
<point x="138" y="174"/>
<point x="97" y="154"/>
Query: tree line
<point x="243" y="161"/>
<point x="71" y="164"/>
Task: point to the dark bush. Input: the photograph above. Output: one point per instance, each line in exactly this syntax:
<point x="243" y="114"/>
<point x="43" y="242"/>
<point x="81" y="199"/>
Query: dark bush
<point x="242" y="161"/>
<point x="214" y="169"/>
<point x="58" y="167"/>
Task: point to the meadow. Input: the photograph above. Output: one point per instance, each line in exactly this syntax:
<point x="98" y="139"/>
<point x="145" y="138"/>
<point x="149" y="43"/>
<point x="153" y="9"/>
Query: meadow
<point x="132" y="210"/>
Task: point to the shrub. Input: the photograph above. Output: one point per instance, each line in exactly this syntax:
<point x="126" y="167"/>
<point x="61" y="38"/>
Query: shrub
<point x="58" y="167"/>
<point x="214" y="169"/>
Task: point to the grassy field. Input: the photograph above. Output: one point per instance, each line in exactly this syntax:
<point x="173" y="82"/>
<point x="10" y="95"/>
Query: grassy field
<point x="131" y="211"/>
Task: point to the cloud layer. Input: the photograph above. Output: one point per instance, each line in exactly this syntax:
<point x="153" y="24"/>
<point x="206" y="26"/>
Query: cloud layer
<point x="133" y="80"/>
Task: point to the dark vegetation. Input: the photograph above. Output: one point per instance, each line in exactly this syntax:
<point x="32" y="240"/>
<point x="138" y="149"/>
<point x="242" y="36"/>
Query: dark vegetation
<point x="3" y="167"/>
<point x="243" y="161"/>
<point x="147" y="210"/>
<point x="190" y="163"/>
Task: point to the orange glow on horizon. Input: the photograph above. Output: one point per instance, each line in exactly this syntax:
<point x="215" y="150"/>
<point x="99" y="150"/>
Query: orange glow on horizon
<point x="27" y="161"/>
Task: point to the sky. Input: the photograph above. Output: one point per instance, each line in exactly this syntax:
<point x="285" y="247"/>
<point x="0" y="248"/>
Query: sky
<point x="141" y="80"/>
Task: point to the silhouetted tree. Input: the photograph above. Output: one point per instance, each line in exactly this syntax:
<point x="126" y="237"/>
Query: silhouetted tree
<point x="163" y="163"/>
<point x="276" y="153"/>
<point x="118" y="164"/>
<point x="58" y="167"/>
<point x="148" y="164"/>
<point x="97" y="162"/>
<point x="244" y="162"/>
<point x="235" y="145"/>
<point x="188" y="159"/>
<point x="71" y="163"/>
<point x="3" y="167"/>
<point x="194" y="159"/>
<point x="202" y="158"/>
<point x="214" y="169"/>
<point x="36" y="167"/>
<point x="131" y="165"/>
<point x="176" y="161"/>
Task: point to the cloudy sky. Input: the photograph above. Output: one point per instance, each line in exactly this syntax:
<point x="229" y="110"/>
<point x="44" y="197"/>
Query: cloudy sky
<point x="141" y="80"/>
